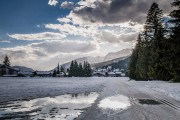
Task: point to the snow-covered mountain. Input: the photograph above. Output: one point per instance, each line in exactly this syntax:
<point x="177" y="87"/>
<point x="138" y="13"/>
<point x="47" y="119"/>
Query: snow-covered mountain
<point x="108" y="57"/>
<point x="91" y="60"/>
<point x="23" y="69"/>
<point x="119" y="54"/>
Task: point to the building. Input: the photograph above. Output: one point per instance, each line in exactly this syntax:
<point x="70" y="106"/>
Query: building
<point x="60" y="75"/>
<point x="44" y="73"/>
<point x="118" y="74"/>
<point x="25" y="73"/>
<point x="7" y="71"/>
<point x="111" y="74"/>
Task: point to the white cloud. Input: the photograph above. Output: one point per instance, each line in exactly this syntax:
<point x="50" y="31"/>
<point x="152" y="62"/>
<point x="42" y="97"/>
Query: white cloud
<point x="111" y="37"/>
<point x="69" y="29"/>
<point x="52" y="2"/>
<point x="40" y="55"/>
<point x="5" y="41"/>
<point x="67" y="5"/>
<point x="64" y="20"/>
<point x="38" y="36"/>
<point x="67" y="46"/>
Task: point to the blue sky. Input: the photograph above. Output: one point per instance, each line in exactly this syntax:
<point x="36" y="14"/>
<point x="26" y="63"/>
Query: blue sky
<point x="23" y="16"/>
<point x="41" y="33"/>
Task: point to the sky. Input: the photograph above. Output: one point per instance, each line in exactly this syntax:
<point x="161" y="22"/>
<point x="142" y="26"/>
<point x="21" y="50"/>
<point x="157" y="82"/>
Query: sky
<point x="40" y="33"/>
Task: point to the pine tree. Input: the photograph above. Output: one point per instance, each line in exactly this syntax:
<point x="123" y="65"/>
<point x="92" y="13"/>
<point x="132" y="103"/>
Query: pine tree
<point x="175" y="42"/>
<point x="133" y="72"/>
<point x="62" y="69"/>
<point x="71" y="69"/>
<point x="142" y="61"/>
<point x="58" y="70"/>
<point x="6" y="61"/>
<point x="156" y="69"/>
<point x="149" y="56"/>
<point x="76" y="69"/>
<point x="54" y="73"/>
<point x="81" y="72"/>
<point x="89" y="71"/>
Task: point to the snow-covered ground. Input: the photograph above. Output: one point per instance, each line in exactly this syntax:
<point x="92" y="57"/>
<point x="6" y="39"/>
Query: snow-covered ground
<point x="169" y="89"/>
<point x="96" y="97"/>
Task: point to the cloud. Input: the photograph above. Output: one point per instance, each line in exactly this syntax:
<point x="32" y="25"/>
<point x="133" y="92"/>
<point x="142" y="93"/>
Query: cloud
<point x="42" y="53"/>
<point x="67" y="5"/>
<point x="69" y="29"/>
<point x="111" y="37"/>
<point x="64" y="20"/>
<point x="52" y="2"/>
<point x="5" y="41"/>
<point x="38" y="36"/>
<point x="65" y="46"/>
<point x="115" y="11"/>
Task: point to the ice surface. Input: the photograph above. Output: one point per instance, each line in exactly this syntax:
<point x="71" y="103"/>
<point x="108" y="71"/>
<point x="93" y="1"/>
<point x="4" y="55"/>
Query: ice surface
<point x="64" y="107"/>
<point x="36" y="97"/>
<point x="118" y="102"/>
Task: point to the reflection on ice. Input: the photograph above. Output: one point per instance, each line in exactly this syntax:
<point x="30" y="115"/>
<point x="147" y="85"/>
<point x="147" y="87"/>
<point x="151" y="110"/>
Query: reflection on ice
<point x="62" y="107"/>
<point x="118" y="102"/>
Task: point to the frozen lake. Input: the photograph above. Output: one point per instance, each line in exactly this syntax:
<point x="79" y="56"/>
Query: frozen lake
<point x="94" y="98"/>
<point x="30" y="88"/>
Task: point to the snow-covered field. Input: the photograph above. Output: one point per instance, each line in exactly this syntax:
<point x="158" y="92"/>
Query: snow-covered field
<point x="68" y="98"/>
<point x="169" y="89"/>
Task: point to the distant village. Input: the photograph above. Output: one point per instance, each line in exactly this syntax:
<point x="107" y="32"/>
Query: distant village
<point x="74" y="70"/>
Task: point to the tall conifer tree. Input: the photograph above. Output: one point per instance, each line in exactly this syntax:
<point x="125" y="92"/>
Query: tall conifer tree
<point x="175" y="42"/>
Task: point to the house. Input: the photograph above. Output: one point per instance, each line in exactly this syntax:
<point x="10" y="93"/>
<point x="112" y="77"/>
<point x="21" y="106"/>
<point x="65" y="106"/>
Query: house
<point x="44" y="73"/>
<point x="112" y="74"/>
<point x="99" y="74"/>
<point x="123" y="75"/>
<point x="118" y="74"/>
<point x="25" y="73"/>
<point x="7" y="71"/>
<point x="60" y="75"/>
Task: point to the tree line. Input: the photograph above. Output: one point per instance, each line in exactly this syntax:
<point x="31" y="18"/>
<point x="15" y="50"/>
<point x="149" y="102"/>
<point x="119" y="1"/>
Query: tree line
<point x="79" y="70"/>
<point x="157" y="51"/>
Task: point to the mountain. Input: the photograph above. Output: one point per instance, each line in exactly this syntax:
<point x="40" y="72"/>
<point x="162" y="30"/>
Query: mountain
<point x="91" y="60"/>
<point x="108" y="59"/>
<point x="119" y="54"/>
<point x="23" y="69"/>
<point x="118" y="63"/>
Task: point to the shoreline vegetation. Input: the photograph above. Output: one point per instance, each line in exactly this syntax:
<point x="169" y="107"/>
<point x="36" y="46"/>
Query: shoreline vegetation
<point x="157" y="51"/>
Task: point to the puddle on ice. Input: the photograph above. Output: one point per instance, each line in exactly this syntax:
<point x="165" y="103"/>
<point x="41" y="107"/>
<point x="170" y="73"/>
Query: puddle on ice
<point x="148" y="102"/>
<point x="64" y="107"/>
<point x="118" y="102"/>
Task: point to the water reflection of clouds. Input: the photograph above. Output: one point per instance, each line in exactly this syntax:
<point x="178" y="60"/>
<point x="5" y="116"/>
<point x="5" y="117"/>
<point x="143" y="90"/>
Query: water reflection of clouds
<point x="62" y="107"/>
<point x="118" y="102"/>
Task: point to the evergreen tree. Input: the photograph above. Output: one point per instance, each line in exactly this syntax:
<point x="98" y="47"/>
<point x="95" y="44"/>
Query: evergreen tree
<point x="71" y="69"/>
<point x="58" y="70"/>
<point x="142" y="61"/>
<point x="81" y="72"/>
<point x="62" y="69"/>
<point x="156" y="68"/>
<point x="34" y="74"/>
<point x="6" y="61"/>
<point x="175" y="42"/>
<point x="87" y="69"/>
<point x="54" y="73"/>
<point x="76" y="69"/>
<point x="148" y="52"/>
<point x="133" y="72"/>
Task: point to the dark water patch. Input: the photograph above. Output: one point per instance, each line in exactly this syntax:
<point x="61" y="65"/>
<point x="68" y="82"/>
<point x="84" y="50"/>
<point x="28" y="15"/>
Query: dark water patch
<point x="148" y="102"/>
